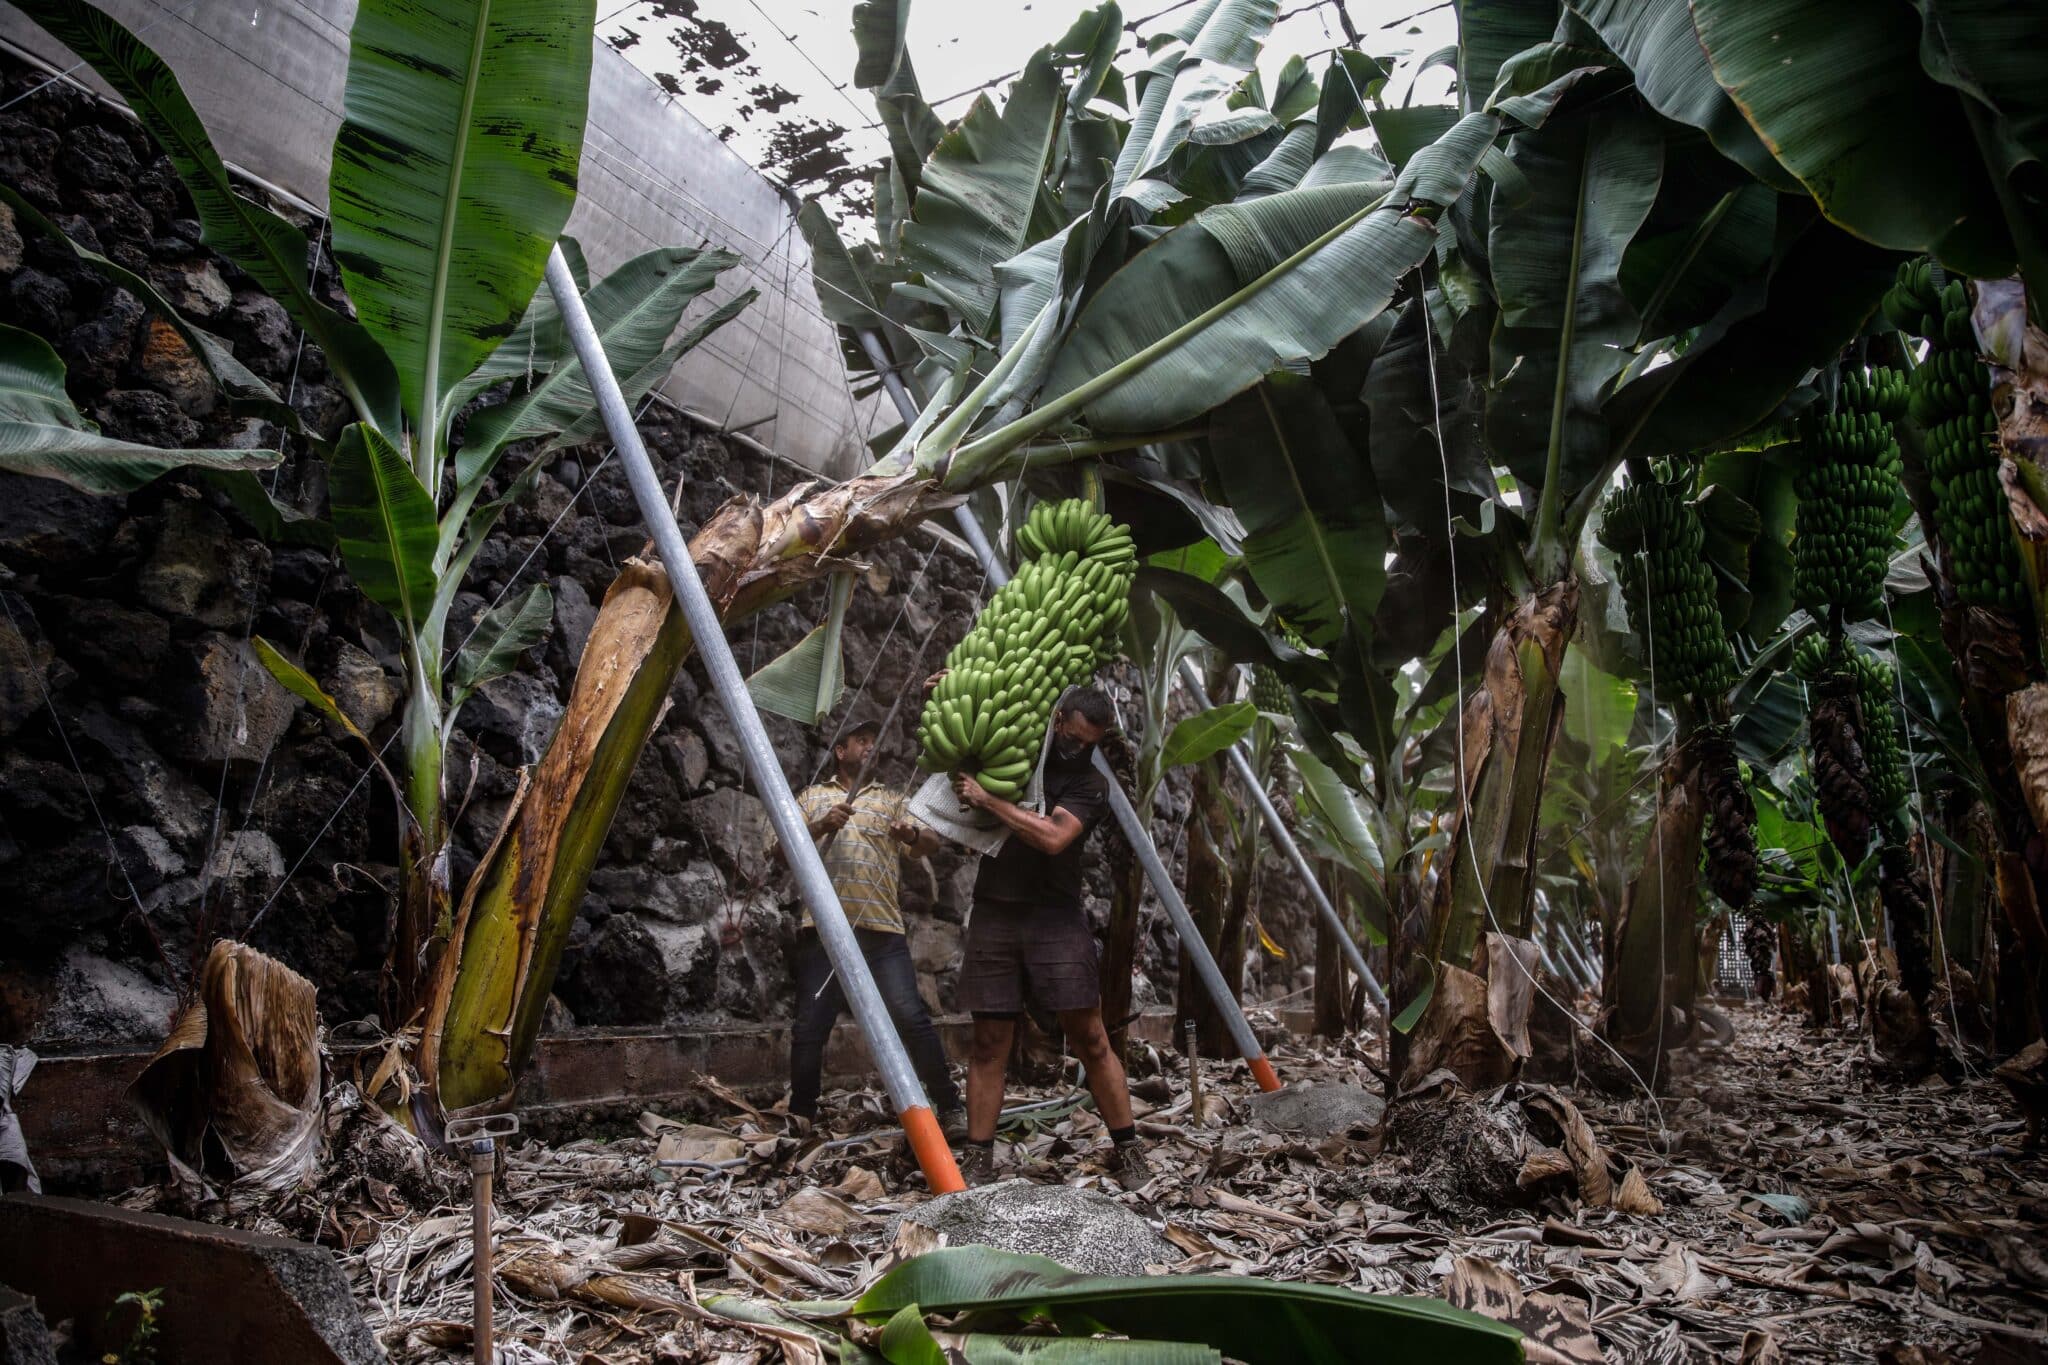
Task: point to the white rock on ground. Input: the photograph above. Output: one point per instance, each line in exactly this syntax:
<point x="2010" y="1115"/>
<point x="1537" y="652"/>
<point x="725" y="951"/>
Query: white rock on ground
<point x="1081" y="1229"/>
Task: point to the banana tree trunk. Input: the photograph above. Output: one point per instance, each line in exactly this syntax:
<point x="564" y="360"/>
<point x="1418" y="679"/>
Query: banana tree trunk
<point x="1510" y="725"/>
<point x="422" y="922"/>
<point x="492" y="981"/>
<point x="1656" y="954"/>
<point x="1120" y="941"/>
<point x="1208" y="899"/>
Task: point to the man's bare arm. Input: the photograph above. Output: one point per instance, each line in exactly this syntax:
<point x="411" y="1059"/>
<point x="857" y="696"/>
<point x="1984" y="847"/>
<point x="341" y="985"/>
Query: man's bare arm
<point x="1049" y="834"/>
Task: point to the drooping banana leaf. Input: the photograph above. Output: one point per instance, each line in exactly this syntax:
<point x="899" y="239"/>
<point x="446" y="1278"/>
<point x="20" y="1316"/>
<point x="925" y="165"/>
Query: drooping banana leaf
<point x="974" y="204"/>
<point x="807" y="681"/>
<point x="1564" y="321"/>
<point x="1657" y="40"/>
<point x="271" y="250"/>
<point x="1315" y="540"/>
<point x="383" y="522"/>
<point x="537" y="344"/>
<point x="879" y="28"/>
<point x="844" y="293"/>
<point x="41" y="433"/>
<point x="1260" y="1322"/>
<point x="1836" y="90"/>
<point x="454" y="171"/>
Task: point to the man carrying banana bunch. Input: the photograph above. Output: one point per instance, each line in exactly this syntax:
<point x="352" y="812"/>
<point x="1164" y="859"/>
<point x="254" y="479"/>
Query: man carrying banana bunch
<point x="1028" y="940"/>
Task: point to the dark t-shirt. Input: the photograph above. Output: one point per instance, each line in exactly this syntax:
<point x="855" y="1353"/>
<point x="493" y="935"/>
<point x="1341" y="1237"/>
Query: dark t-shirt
<point x="1019" y="873"/>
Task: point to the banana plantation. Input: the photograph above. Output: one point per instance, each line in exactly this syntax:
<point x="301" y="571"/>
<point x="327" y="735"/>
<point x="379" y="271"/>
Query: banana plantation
<point x="1198" y="682"/>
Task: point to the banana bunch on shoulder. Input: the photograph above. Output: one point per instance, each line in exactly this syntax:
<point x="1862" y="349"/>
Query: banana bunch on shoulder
<point x="1044" y="631"/>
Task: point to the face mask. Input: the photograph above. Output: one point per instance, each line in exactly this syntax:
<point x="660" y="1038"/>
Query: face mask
<point x="1067" y="748"/>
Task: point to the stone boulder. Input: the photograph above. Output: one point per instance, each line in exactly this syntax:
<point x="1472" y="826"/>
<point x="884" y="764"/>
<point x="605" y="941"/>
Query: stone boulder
<point x="94" y="1000"/>
<point x="519" y="711"/>
<point x="201" y="573"/>
<point x="1316" y="1109"/>
<point x="230" y="710"/>
<point x="1081" y="1229"/>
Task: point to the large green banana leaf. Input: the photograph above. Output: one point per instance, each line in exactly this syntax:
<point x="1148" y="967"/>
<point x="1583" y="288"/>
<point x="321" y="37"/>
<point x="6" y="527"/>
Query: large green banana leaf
<point x="537" y="344"/>
<point x="975" y="200"/>
<point x="1700" y="243"/>
<point x="1836" y="90"/>
<point x="1260" y="1322"/>
<point x="271" y="250"/>
<point x="383" y="522"/>
<point x="1315" y="539"/>
<point x="1564" y="322"/>
<point x="1657" y="40"/>
<point x="454" y="170"/>
<point x="41" y="433"/>
<point x="1207" y="733"/>
<point x="1219" y="303"/>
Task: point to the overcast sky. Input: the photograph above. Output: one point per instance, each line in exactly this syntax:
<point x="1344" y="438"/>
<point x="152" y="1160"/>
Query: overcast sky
<point x="774" y="76"/>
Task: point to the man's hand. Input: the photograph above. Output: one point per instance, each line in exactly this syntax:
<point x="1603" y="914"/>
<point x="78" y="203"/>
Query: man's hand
<point x="835" y="819"/>
<point x="933" y="680"/>
<point x="970" y="792"/>
<point x="904" y="832"/>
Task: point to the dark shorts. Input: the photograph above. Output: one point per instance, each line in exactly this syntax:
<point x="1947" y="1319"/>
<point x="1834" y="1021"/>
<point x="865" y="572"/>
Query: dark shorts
<point x="1018" y="953"/>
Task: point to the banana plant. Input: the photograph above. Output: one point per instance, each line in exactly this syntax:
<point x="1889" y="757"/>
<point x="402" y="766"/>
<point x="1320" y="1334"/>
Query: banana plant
<point x="453" y="172"/>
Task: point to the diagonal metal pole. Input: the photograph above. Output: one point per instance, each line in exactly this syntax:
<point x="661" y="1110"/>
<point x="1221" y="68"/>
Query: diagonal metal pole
<point x="913" y="1110"/>
<point x="1120" y="805"/>
<point x="1191" y="678"/>
<point x="1191" y="941"/>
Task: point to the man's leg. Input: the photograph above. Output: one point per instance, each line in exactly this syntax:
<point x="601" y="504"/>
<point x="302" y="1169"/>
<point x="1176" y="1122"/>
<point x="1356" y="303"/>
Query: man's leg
<point x="1106" y="1080"/>
<point x="895" y="975"/>
<point x="987" y="1065"/>
<point x="818" y="1003"/>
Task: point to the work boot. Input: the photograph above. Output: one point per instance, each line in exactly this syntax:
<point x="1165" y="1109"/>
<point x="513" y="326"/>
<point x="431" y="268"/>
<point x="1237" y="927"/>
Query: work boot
<point x="953" y="1123"/>
<point x="978" y="1165"/>
<point x="1128" y="1164"/>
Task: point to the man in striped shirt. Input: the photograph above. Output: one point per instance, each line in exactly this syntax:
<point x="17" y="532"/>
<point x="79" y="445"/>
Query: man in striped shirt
<point x="865" y="834"/>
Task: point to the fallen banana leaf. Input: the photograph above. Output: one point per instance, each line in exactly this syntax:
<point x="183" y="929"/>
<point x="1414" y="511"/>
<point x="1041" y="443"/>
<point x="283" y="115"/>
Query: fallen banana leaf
<point x="1252" y="1320"/>
<point x="234" y="1092"/>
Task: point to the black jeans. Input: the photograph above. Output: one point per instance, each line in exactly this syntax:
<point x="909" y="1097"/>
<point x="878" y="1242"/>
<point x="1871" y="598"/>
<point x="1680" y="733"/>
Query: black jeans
<point x="820" y="1002"/>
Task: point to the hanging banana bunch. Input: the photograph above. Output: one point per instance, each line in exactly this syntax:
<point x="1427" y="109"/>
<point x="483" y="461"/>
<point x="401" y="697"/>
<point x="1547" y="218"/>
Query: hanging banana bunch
<point x="1270" y="694"/>
<point x="1731" y="817"/>
<point x="1950" y="399"/>
<point x="1044" y="631"/>
<point x="1668" y="587"/>
<point x="1859" y="768"/>
<point x="1847" y="485"/>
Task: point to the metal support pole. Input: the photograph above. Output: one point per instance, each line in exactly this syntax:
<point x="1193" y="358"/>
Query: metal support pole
<point x="913" y="1110"/>
<point x="1134" y="828"/>
<point x="1191" y="678"/>
<point x="1210" y="975"/>
<point x="1194" y="1074"/>
<point x="481" y="1135"/>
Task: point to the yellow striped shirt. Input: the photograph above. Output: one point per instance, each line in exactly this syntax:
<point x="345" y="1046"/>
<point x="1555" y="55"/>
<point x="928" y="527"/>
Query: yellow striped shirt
<point x="863" y="861"/>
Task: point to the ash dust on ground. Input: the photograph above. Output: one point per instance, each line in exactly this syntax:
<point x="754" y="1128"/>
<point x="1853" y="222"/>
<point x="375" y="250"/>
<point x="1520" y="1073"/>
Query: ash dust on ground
<point x="1801" y="1208"/>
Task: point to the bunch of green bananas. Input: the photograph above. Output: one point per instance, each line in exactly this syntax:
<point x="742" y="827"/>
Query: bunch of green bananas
<point x="1043" y="631"/>
<point x="1951" y="402"/>
<point x="1875" y="685"/>
<point x="1269" y="693"/>
<point x="1847" y="484"/>
<point x="1668" y="587"/>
